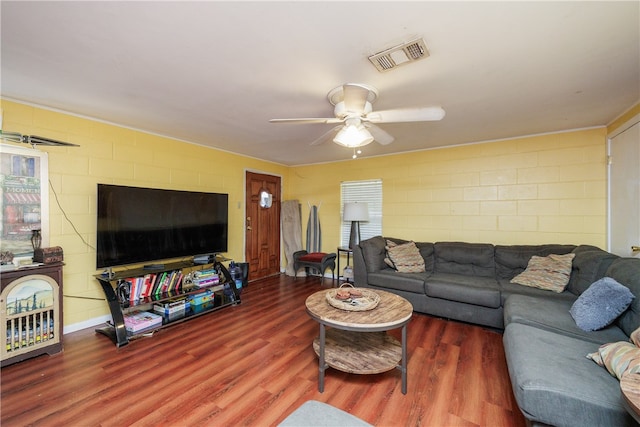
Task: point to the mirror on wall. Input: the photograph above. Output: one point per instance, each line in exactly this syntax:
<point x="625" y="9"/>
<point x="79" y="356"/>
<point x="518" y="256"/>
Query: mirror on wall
<point x="266" y="199"/>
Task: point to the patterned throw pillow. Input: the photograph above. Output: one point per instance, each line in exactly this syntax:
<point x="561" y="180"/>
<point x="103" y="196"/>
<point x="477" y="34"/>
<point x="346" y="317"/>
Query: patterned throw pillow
<point x="620" y="358"/>
<point x="405" y="258"/>
<point x="550" y="273"/>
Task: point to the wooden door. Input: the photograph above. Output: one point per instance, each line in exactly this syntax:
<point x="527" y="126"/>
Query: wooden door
<point x="624" y="190"/>
<point x="262" y="233"/>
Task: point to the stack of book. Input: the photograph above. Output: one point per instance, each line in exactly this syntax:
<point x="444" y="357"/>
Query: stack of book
<point x="171" y="310"/>
<point x="136" y="322"/>
<point x="205" y="278"/>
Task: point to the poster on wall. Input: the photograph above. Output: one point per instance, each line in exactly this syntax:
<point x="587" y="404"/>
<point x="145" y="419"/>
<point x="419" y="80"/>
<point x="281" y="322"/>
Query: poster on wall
<point x="24" y="198"/>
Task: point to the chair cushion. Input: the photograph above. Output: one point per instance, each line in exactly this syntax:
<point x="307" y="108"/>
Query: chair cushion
<point x="313" y="257"/>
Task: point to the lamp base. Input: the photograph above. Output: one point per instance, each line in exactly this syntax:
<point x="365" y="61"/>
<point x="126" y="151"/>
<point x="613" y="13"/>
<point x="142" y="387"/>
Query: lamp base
<point x="354" y="237"/>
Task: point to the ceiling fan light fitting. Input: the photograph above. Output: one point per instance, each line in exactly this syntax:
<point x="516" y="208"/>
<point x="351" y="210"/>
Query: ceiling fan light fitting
<point x="353" y="136"/>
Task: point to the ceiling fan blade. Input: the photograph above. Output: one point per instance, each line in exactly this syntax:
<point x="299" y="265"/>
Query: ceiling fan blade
<point x="355" y="97"/>
<point x="380" y="135"/>
<point x="308" y="120"/>
<point x="425" y="114"/>
<point x="326" y="136"/>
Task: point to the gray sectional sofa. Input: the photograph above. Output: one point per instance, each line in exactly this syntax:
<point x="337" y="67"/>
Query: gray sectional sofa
<point x="554" y="383"/>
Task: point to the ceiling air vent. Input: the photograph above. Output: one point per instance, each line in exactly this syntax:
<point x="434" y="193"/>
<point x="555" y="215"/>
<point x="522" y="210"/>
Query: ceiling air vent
<point x="399" y="55"/>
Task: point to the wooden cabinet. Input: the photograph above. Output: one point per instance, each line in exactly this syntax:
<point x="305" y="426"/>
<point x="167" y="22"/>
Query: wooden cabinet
<point x="31" y="312"/>
<point x="224" y="293"/>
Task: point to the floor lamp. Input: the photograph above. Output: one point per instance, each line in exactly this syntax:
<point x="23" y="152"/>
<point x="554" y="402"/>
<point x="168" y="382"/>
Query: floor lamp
<point x="355" y="212"/>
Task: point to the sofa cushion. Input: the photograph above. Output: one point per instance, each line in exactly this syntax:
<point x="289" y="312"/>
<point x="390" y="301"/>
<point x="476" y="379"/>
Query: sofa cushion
<point x="405" y="257"/>
<point x="470" y="259"/>
<point x="601" y="304"/>
<point x="512" y="260"/>
<point x="373" y="252"/>
<point x="426" y="250"/>
<point x="553" y="315"/>
<point x="483" y="291"/>
<point x="391" y="279"/>
<point x="619" y="358"/>
<point x="507" y="289"/>
<point x="627" y="272"/>
<point x="554" y="383"/>
<point x="551" y="272"/>
<point x="589" y="265"/>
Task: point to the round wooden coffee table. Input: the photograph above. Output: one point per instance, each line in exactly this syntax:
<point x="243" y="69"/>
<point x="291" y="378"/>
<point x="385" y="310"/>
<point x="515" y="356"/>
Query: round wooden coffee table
<point x="630" y="387"/>
<point x="357" y="341"/>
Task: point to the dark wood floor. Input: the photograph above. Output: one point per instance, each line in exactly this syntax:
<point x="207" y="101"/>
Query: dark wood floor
<point x="253" y="364"/>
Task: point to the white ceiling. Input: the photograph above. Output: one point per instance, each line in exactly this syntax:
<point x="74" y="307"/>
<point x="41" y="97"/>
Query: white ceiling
<point x="214" y="73"/>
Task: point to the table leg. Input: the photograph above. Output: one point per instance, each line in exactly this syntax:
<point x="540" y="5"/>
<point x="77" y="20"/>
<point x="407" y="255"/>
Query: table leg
<point x="404" y="359"/>
<point x="321" y="364"/>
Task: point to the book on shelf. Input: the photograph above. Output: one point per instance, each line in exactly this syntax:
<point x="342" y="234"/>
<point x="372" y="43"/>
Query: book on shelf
<point x="139" y="321"/>
<point x="148" y="285"/>
<point x="157" y="288"/>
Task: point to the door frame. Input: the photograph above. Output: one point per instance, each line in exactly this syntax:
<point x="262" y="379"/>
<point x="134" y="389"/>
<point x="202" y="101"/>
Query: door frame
<point x="244" y="216"/>
<point x="610" y="136"/>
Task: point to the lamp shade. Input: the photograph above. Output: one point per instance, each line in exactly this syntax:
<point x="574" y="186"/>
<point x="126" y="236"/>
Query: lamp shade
<point x="355" y="211"/>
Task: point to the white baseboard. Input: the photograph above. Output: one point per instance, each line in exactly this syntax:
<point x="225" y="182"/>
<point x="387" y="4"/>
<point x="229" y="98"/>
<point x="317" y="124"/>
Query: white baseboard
<point x="86" y="324"/>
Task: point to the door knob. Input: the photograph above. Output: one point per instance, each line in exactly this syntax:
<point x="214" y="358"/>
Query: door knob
<point x="635" y="248"/>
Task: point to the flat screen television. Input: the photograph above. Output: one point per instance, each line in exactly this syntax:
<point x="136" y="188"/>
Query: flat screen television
<point x="137" y="225"/>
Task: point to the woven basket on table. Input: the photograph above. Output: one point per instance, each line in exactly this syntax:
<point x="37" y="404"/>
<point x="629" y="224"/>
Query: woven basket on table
<point x="368" y="301"/>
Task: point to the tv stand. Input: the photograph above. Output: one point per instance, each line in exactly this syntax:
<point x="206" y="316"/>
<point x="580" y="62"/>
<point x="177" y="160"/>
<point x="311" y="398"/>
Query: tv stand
<point x="117" y="331"/>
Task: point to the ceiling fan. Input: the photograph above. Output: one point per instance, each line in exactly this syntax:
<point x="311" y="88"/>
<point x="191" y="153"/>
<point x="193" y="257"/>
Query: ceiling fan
<point x="356" y="119"/>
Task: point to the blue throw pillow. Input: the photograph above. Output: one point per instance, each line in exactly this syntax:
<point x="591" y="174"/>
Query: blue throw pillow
<point x="601" y="304"/>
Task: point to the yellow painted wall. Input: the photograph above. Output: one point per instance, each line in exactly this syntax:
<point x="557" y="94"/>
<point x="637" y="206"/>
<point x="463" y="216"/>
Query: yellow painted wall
<point x="540" y="189"/>
<point x="115" y="155"/>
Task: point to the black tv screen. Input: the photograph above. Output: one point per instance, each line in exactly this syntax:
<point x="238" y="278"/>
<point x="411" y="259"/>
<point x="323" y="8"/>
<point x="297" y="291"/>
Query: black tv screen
<point x="136" y="225"/>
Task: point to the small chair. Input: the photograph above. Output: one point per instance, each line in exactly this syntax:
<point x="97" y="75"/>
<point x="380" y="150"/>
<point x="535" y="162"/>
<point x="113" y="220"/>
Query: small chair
<point x="318" y="261"/>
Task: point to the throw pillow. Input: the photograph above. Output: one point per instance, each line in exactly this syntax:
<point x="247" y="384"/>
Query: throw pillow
<point x="600" y="304"/>
<point x="620" y="358"/>
<point x="549" y="273"/>
<point x="405" y="258"/>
